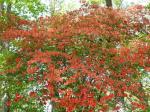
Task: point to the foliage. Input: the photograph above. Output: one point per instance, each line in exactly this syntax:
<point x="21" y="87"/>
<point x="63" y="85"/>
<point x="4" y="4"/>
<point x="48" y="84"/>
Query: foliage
<point x="86" y="60"/>
<point x="24" y="8"/>
<point x="148" y="6"/>
<point x="118" y="3"/>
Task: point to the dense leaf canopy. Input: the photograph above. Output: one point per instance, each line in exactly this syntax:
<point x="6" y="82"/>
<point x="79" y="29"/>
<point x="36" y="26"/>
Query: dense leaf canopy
<point x="89" y="59"/>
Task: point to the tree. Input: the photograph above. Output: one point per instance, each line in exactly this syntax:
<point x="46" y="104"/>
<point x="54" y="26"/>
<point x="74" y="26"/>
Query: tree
<point x="1" y="8"/>
<point x="82" y="61"/>
<point x="95" y="1"/>
<point x="148" y="6"/>
<point x="8" y="11"/>
<point x="108" y="3"/>
<point x="118" y="3"/>
<point x="57" y="7"/>
<point x="25" y="8"/>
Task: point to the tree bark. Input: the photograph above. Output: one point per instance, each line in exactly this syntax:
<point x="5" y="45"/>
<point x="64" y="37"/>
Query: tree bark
<point x="108" y="3"/>
<point x="53" y="7"/>
<point x="6" y="98"/>
<point x="9" y="8"/>
<point x="1" y="8"/>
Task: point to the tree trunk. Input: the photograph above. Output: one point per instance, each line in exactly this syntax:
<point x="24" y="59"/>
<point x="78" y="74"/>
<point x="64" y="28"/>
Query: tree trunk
<point x="9" y="8"/>
<point x="5" y="99"/>
<point x="108" y="3"/>
<point x="53" y="7"/>
<point x="1" y="8"/>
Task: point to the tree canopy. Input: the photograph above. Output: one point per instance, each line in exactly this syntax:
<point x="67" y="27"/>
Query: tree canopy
<point x="93" y="59"/>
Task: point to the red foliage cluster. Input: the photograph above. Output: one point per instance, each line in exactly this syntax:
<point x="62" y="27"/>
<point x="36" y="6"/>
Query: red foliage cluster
<point x="87" y="64"/>
<point x="139" y="15"/>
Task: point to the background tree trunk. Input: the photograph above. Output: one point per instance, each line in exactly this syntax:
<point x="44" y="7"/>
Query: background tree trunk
<point x="53" y="7"/>
<point x="5" y="108"/>
<point x="1" y="8"/>
<point x="108" y="3"/>
<point x="9" y="8"/>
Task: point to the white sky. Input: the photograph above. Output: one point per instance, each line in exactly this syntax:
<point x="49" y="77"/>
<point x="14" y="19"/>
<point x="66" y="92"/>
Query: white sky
<point x="74" y="4"/>
<point x="130" y="2"/>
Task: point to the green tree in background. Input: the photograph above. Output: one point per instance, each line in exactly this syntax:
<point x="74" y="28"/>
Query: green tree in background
<point x="109" y="3"/>
<point x="118" y="3"/>
<point x="24" y="8"/>
<point x="148" y="6"/>
<point x="57" y="7"/>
